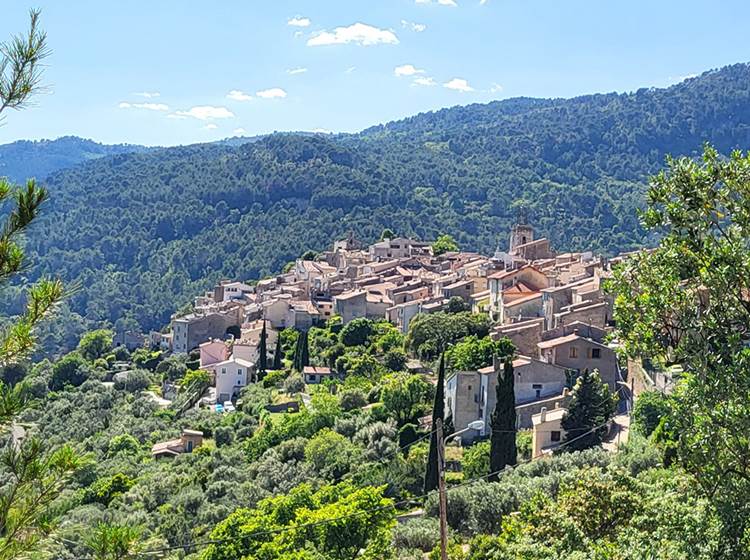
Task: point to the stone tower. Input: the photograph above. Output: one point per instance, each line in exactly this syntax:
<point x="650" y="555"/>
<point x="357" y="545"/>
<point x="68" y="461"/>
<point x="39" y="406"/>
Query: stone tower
<point x="521" y="232"/>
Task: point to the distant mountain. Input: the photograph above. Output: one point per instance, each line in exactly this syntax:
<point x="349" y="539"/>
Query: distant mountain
<point x="24" y="159"/>
<point x="39" y="158"/>
<point x="144" y="231"/>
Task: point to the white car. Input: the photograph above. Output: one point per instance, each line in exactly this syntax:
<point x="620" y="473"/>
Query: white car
<point x="228" y="406"/>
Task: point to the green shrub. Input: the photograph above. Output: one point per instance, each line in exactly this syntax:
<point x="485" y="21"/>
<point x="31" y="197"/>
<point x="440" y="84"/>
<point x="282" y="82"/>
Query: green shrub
<point x="352" y="399"/>
<point x="422" y="534"/>
<point x="124" y="443"/>
<point x="524" y="441"/>
<point x="650" y="407"/>
<point x="476" y="460"/>
<point x="104" y="490"/>
<point x="274" y="378"/>
<point x="133" y="381"/>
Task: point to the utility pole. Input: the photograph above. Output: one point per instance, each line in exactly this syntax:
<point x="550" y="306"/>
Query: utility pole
<point x="443" y="498"/>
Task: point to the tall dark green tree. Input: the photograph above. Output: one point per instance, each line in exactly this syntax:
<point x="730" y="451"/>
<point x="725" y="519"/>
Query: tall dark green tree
<point x="438" y="412"/>
<point x="591" y="407"/>
<point x="305" y="352"/>
<point x="503" y="439"/>
<point x="276" y="366"/>
<point x="301" y="352"/>
<point x="263" y="351"/>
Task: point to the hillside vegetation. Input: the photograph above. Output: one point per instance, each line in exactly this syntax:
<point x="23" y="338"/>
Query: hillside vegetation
<point x="24" y="159"/>
<point x="142" y="233"/>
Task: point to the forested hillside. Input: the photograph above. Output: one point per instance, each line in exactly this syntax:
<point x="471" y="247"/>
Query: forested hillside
<point x="24" y="159"/>
<point x="142" y="233"/>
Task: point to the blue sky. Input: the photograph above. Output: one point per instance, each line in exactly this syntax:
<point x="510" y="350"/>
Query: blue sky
<point x="164" y="72"/>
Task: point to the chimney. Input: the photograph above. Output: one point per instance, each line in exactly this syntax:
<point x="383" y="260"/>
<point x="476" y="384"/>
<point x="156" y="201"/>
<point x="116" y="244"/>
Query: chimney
<point x="557" y="404"/>
<point x="543" y="414"/>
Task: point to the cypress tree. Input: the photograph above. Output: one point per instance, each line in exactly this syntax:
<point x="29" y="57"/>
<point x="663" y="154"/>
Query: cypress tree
<point x="276" y="366"/>
<point x="503" y="439"/>
<point x="297" y="348"/>
<point x="591" y="407"/>
<point x="304" y="352"/>
<point x="438" y="412"/>
<point x="263" y="351"/>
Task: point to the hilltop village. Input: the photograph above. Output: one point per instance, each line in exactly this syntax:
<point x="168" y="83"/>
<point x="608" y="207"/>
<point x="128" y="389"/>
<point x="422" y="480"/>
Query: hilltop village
<point x="550" y="305"/>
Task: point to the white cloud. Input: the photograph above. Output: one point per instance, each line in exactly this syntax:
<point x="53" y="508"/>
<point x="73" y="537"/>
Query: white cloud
<point x="148" y="94"/>
<point x="273" y="93"/>
<point x="299" y="21"/>
<point x="293" y="71"/>
<point x="350" y="69"/>
<point x="210" y="126"/>
<point x="358" y="33"/>
<point x="237" y="95"/>
<point x="424" y="81"/>
<point x="678" y="79"/>
<point x="451" y="3"/>
<point x="205" y="113"/>
<point x="496" y="88"/>
<point x="407" y="70"/>
<point x="298" y="34"/>
<point x="321" y="131"/>
<point x="239" y="132"/>
<point x="458" y="84"/>
<point x="147" y="106"/>
<point x="417" y="27"/>
<point x="482" y="2"/>
<point x="176" y="117"/>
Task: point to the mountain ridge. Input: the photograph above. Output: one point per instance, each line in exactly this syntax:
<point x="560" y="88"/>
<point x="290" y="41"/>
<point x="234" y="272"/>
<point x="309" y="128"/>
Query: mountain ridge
<point x="143" y="232"/>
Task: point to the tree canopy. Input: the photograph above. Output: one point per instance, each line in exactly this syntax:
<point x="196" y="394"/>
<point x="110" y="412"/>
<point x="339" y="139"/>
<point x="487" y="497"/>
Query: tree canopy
<point x="686" y="303"/>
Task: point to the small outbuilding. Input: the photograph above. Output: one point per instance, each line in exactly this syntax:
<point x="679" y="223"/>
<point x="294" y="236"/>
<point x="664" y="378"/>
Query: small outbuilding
<point x="189" y="440"/>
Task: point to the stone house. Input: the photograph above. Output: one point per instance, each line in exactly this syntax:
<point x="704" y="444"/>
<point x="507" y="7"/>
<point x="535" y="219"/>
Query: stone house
<point x="470" y="395"/>
<point x="577" y="353"/>
<point x="213" y="352"/>
<point x="131" y="340"/>
<point x="247" y="346"/>
<point x="227" y="290"/>
<point x="461" y="288"/>
<point x="547" y="431"/>
<point x="314" y="375"/>
<point x="350" y="305"/>
<point x="524" y="335"/>
<point x="520" y="288"/>
<point x="188" y="331"/>
<point x="188" y="440"/>
<point x="230" y="376"/>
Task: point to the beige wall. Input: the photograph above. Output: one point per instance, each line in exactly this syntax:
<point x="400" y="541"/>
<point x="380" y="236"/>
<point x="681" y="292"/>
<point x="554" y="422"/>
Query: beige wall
<point x="596" y="314"/>
<point x="583" y="359"/>
<point x="524" y="336"/>
<point x="543" y="433"/>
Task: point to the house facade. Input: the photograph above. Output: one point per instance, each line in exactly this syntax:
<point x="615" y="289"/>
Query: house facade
<point x="230" y="376"/>
<point x="578" y="353"/>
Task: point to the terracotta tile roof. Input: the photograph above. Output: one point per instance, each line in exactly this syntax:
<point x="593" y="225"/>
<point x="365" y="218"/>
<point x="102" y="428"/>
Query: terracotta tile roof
<point x="510" y="273"/>
<point x="316" y="370"/>
<point x="551" y="343"/>
<point x="524" y="299"/>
